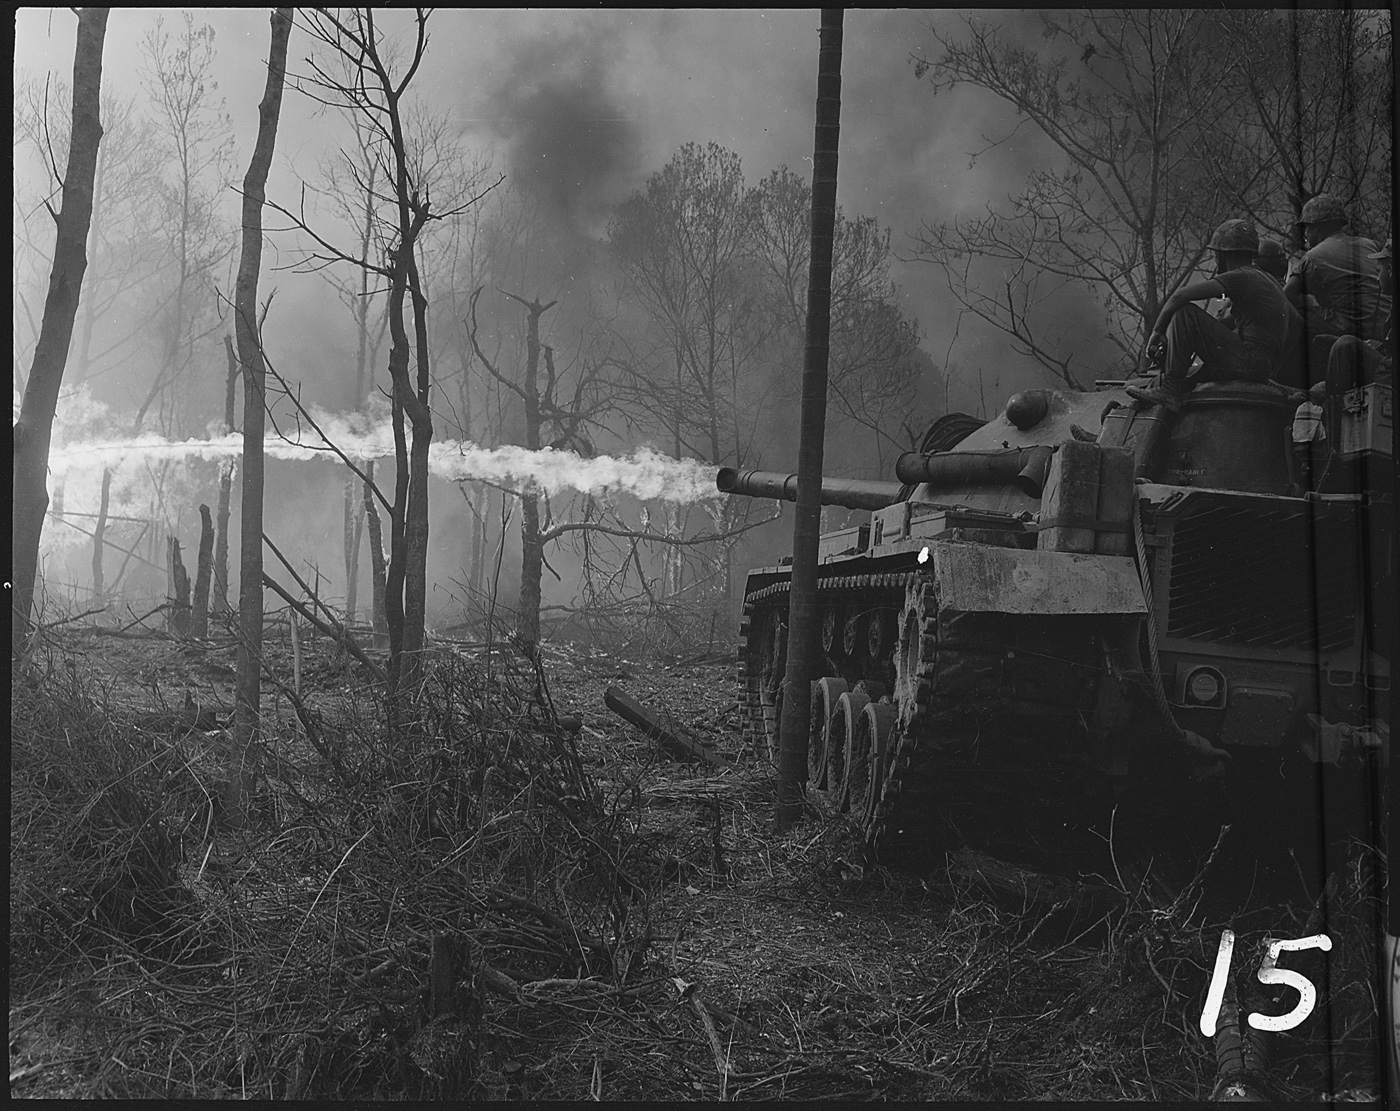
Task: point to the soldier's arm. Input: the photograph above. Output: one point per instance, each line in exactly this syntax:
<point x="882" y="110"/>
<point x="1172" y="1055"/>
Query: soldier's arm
<point x="1294" y="289"/>
<point x="1196" y="291"/>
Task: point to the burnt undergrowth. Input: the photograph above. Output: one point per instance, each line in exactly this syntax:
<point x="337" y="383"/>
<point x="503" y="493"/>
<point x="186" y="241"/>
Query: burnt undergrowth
<point x="496" y="901"/>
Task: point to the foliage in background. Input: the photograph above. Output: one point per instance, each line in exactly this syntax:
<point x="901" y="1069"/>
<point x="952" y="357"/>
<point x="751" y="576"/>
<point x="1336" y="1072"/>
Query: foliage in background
<point x="1162" y="123"/>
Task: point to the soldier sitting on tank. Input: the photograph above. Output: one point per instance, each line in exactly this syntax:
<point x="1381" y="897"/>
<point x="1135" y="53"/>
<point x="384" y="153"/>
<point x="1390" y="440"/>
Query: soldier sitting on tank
<point x="1251" y="351"/>
<point x="1354" y="361"/>
<point x="1273" y="260"/>
<point x="1336" y="286"/>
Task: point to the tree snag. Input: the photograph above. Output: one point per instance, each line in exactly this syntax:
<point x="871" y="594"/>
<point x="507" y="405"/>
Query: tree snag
<point x="33" y="432"/>
<point x="199" y="618"/>
<point x="806" y="531"/>
<point x="244" y="758"/>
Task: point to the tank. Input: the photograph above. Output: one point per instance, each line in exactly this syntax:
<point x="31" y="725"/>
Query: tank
<point x="1084" y="610"/>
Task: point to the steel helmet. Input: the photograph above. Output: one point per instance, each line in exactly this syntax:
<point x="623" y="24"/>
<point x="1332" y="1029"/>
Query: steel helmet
<point x="1323" y="209"/>
<point x="1235" y="235"/>
<point x="1271" y="257"/>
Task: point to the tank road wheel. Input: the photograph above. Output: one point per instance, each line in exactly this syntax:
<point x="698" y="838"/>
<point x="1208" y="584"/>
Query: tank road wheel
<point x="866" y="757"/>
<point x="825" y="694"/>
<point x="844" y="721"/>
<point x="853" y="633"/>
<point x="880" y="634"/>
<point x="833" y="632"/>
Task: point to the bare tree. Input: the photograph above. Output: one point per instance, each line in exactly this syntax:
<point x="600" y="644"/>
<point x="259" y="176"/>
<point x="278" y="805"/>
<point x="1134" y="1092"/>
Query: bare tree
<point x="121" y="255"/>
<point x="803" y="611"/>
<point x="1126" y="214"/>
<point x="379" y="615"/>
<point x="499" y="243"/>
<point x="226" y="472"/>
<point x="537" y="387"/>
<point x="1311" y="112"/>
<point x="564" y="408"/>
<point x="873" y="371"/>
<point x="356" y="73"/>
<point x="197" y="148"/>
<point x="684" y="246"/>
<point x="247" y="720"/>
<point x="350" y="184"/>
<point x="34" y="429"/>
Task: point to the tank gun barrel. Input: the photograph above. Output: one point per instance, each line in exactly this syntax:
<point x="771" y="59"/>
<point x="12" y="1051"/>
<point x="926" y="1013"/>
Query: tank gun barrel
<point x="851" y="493"/>
<point x="1023" y="467"/>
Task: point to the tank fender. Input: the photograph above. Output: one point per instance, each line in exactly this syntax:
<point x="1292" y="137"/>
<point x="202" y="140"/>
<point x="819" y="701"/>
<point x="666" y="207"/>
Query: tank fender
<point x="982" y="578"/>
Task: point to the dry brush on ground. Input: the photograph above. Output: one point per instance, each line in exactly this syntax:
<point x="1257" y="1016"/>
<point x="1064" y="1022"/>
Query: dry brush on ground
<point x="511" y="904"/>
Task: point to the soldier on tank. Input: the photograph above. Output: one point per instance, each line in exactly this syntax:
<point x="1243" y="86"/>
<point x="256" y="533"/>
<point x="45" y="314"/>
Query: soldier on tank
<point x="1351" y="362"/>
<point x="1252" y="350"/>
<point x="1273" y="260"/>
<point x="1354" y="361"/>
<point x="1337" y="283"/>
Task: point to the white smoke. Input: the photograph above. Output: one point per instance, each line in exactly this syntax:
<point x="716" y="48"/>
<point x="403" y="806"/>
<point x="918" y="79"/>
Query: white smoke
<point x="645" y="474"/>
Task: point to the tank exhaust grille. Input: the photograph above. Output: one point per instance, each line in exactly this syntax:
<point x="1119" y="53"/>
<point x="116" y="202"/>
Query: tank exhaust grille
<point x="1268" y="576"/>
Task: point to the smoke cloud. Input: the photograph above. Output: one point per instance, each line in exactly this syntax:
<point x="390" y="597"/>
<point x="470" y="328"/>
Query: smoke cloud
<point x="645" y="474"/>
<point x="570" y="141"/>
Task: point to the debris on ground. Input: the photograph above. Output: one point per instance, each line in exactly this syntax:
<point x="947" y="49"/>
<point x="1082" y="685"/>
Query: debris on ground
<point x="496" y="905"/>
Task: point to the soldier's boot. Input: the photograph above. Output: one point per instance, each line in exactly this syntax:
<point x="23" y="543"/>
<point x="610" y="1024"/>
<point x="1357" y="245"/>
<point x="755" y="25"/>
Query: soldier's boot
<point x="1163" y="392"/>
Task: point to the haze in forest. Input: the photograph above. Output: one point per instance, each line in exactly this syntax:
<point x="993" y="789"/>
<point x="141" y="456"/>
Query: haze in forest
<point x="576" y="155"/>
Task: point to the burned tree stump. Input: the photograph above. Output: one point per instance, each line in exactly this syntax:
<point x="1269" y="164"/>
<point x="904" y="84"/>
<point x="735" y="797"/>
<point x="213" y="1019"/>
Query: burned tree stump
<point x="177" y="617"/>
<point x="204" y="567"/>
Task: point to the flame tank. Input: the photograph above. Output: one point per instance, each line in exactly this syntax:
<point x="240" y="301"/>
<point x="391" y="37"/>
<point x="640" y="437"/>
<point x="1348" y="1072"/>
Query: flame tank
<point x="1080" y="604"/>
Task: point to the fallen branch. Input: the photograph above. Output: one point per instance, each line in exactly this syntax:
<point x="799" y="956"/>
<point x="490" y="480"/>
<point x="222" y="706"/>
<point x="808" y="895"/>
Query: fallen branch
<point x="335" y="631"/>
<point x="672" y="740"/>
<point x="47" y="625"/>
<point x="582" y="941"/>
<point x="122" y="634"/>
<point x="711" y="1035"/>
<point x="149" y="613"/>
<point x="1023" y="889"/>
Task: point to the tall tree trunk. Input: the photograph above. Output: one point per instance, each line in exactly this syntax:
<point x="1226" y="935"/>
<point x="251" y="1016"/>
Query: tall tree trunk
<point x="527" y="614"/>
<point x="362" y="304"/>
<point x="33" y="432"/>
<point x="99" y="534"/>
<point x="351" y="542"/>
<point x="199" y="619"/>
<point x="225" y="486"/>
<point x="378" y="587"/>
<point x="90" y="302"/>
<point x="244" y="758"/>
<point x="398" y="546"/>
<point x="408" y="532"/>
<point x="416" y="570"/>
<point x="478" y="539"/>
<point x="803" y="628"/>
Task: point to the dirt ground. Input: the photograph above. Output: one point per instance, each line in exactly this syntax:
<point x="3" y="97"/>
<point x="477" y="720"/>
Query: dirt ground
<point x="618" y="925"/>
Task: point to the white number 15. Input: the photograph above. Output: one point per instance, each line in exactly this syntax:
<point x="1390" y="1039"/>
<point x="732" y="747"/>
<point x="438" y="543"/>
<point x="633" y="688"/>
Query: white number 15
<point x="1268" y="973"/>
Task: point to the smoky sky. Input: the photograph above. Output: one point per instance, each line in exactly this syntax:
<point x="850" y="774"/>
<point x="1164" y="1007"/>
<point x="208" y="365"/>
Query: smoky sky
<point x="568" y="138"/>
<point x="580" y="106"/>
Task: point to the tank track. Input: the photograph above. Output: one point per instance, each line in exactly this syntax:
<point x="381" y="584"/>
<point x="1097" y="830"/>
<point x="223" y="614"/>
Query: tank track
<point x="969" y="690"/>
